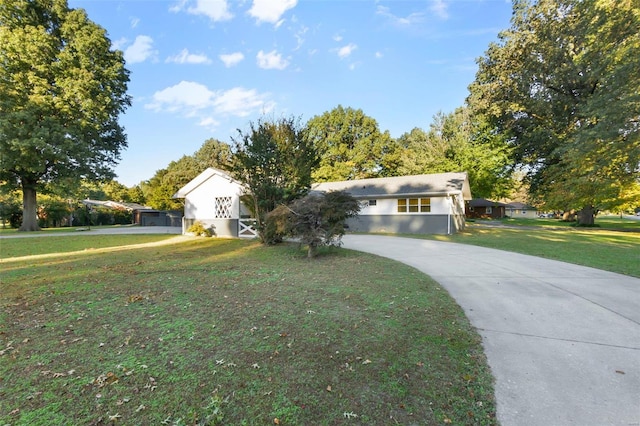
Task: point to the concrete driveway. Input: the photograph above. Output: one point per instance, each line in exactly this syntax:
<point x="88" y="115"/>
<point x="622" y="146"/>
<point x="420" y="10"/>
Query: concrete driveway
<point x="111" y="230"/>
<point x="562" y="341"/>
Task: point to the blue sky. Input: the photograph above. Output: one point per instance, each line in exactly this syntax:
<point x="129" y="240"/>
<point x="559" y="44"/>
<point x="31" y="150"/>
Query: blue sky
<point x="203" y="68"/>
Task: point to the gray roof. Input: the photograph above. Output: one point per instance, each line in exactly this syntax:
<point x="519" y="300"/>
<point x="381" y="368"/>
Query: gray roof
<point x="483" y="202"/>
<point x="415" y="185"/>
<point x="520" y="206"/>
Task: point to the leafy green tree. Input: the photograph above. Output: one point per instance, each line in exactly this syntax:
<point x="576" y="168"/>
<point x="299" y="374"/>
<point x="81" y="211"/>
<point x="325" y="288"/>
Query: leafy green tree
<point x="52" y="211"/>
<point x="116" y="191"/>
<point x="562" y="85"/>
<point x="212" y="153"/>
<point x="274" y="160"/>
<point x="160" y="188"/>
<point x="62" y="88"/>
<point x="351" y="146"/>
<point x="459" y="142"/>
<point x="10" y="209"/>
<point x="136" y="195"/>
<point x="317" y="219"/>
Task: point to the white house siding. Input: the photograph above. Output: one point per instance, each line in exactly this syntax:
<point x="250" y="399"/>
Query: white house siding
<point x="446" y="216"/>
<point x="200" y="206"/>
<point x="522" y="213"/>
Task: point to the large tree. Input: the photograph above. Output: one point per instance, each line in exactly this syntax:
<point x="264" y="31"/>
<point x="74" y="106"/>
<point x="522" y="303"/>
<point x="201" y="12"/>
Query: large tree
<point x="458" y="142"/>
<point x="166" y="182"/>
<point x="274" y="159"/>
<point x="562" y="85"/>
<point x="351" y="146"/>
<point x="62" y="88"/>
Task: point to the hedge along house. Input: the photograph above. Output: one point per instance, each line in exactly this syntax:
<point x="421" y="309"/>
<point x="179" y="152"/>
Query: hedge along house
<point x="213" y="198"/>
<point x="419" y="204"/>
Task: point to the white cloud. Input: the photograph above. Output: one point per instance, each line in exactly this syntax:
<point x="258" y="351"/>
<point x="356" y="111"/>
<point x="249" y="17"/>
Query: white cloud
<point x="271" y="10"/>
<point x="119" y="44"/>
<point x="346" y="51"/>
<point x="187" y="97"/>
<point x="195" y="100"/>
<point x="271" y="60"/>
<point x="412" y="19"/>
<point x="185" y="57"/>
<point x="216" y="10"/>
<point x="299" y="35"/>
<point x="242" y="102"/>
<point x="231" y="59"/>
<point x="379" y="55"/>
<point x="140" y="50"/>
<point x="439" y="7"/>
<point x="209" y="122"/>
<point x="337" y="37"/>
<point x="134" y="22"/>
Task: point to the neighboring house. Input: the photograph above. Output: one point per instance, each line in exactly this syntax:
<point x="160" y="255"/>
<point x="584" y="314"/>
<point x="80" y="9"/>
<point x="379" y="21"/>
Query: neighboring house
<point x="213" y="198"/>
<point x="141" y="215"/>
<point x="419" y="204"/>
<point x="481" y="208"/>
<point x="517" y="209"/>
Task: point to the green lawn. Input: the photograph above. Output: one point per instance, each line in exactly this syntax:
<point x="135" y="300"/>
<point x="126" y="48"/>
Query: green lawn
<point x="30" y="246"/>
<point x="601" y="223"/>
<point x="614" y="251"/>
<point x="216" y="331"/>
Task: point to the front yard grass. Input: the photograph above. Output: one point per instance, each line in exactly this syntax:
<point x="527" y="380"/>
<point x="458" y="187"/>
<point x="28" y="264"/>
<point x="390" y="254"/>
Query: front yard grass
<point x="30" y="246"/>
<point x="613" y="251"/>
<point x="213" y="331"/>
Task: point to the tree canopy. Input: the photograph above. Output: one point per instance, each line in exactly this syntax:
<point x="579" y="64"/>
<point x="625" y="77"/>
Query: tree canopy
<point x="459" y="142"/>
<point x="317" y="219"/>
<point x="275" y="160"/>
<point x="562" y="85"/>
<point x="166" y="182"/>
<point x="62" y="89"/>
<point x="351" y="146"/>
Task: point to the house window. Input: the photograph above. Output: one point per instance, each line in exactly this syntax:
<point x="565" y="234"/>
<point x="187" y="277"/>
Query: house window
<point x="223" y="207"/>
<point x="414" y="205"/>
<point x="373" y="202"/>
<point x="488" y="210"/>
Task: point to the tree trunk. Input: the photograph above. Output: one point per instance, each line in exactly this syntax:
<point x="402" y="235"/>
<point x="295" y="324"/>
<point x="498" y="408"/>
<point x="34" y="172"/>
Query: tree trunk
<point x="586" y="216"/>
<point x="29" y="207"/>
<point x="311" y="251"/>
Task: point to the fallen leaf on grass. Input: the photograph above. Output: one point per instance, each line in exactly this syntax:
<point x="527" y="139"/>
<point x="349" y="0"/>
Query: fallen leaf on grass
<point x="349" y="415"/>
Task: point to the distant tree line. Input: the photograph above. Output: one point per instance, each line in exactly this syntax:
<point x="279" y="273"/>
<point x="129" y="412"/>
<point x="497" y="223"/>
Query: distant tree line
<point x="554" y="107"/>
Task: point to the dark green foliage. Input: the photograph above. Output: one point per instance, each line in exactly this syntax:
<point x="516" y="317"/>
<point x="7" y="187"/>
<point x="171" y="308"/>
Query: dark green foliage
<point x="562" y="85"/>
<point x="10" y="210"/>
<point x="62" y="89"/>
<point x="460" y="142"/>
<point x="351" y="146"/>
<point x="317" y="219"/>
<point x="274" y="160"/>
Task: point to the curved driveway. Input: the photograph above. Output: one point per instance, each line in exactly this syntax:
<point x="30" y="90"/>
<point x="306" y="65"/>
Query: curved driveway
<point x="562" y="341"/>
